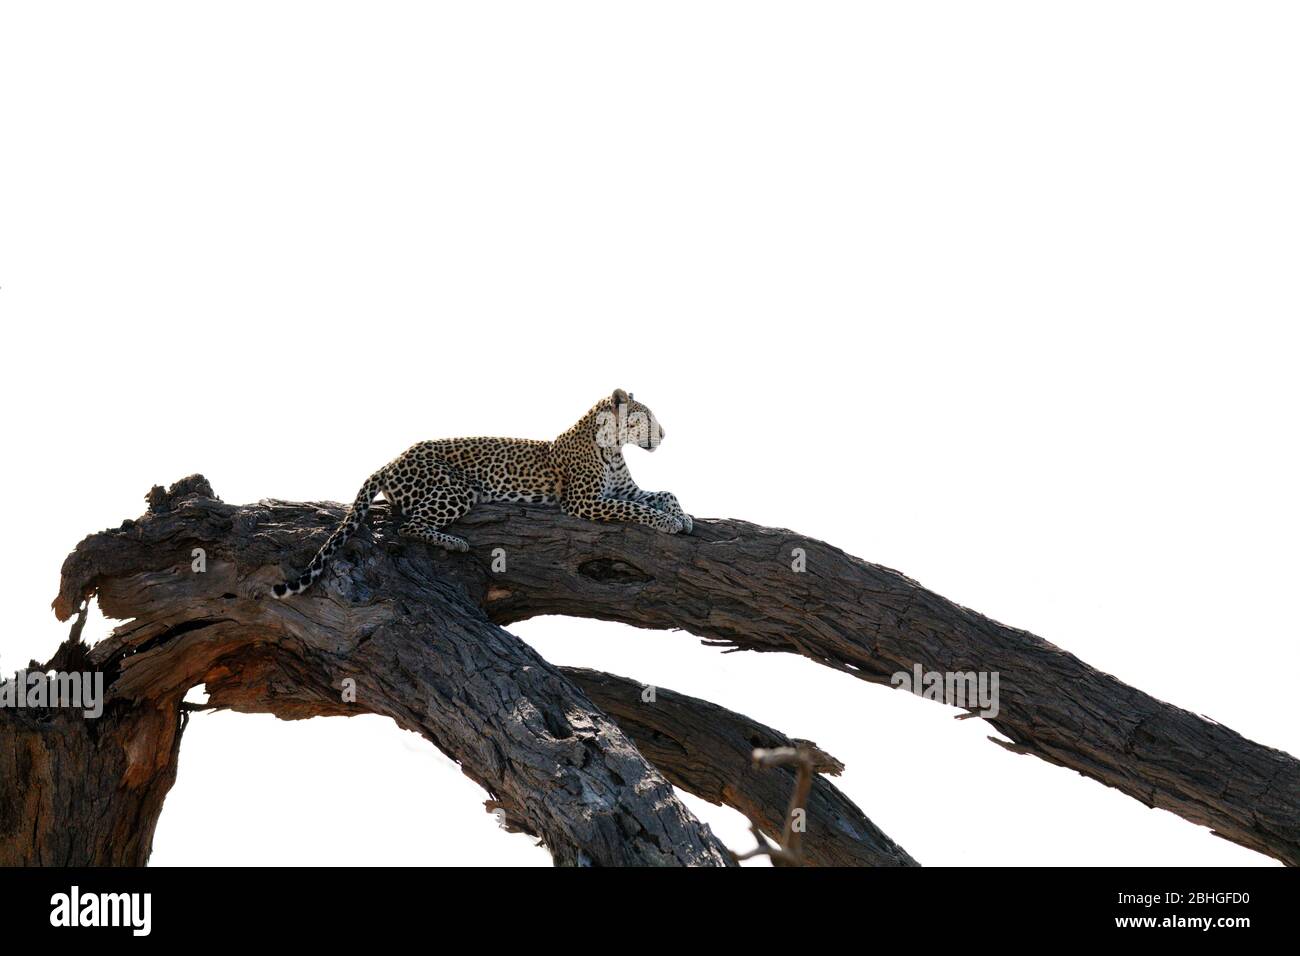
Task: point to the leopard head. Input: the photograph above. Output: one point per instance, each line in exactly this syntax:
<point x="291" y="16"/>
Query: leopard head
<point x="625" y="421"/>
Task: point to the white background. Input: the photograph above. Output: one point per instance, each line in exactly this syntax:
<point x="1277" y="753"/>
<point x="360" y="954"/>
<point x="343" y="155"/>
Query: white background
<point x="1003" y="295"/>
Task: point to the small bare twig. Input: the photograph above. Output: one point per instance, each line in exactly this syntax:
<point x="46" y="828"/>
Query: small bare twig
<point x="807" y="758"/>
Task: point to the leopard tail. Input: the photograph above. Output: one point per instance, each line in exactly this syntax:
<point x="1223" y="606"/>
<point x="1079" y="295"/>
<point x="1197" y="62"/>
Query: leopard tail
<point x="351" y="521"/>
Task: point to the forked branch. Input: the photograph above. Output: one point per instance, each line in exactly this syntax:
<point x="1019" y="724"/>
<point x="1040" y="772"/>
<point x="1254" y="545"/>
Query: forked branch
<point x="419" y="631"/>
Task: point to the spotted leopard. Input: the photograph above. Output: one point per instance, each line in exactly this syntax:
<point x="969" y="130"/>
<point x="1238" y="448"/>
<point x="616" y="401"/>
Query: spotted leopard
<point x="435" y="483"/>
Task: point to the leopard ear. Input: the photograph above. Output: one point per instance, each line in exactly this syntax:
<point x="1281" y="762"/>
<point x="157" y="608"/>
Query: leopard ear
<point x="620" y="397"/>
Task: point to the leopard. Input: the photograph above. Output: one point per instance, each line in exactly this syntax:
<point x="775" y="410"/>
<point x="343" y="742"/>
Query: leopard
<point x="433" y="484"/>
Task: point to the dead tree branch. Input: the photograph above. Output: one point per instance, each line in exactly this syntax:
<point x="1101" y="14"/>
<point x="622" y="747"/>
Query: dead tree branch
<point x="185" y="578"/>
<point x="807" y="759"/>
<point x="732" y="583"/>
<point x="89" y="791"/>
<point x="707" y="750"/>
<point x="401" y="620"/>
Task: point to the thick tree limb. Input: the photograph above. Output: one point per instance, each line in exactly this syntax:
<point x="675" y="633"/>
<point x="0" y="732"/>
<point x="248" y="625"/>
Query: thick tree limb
<point x="78" y="792"/>
<point x="732" y="582"/>
<point x="557" y="767"/>
<point x="729" y="582"/>
<point x="707" y="750"/>
<point x="417" y="652"/>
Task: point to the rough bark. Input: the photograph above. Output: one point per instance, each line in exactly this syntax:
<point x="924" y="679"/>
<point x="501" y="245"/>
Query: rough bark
<point x="417" y="652"/>
<point x="78" y="792"/>
<point x="708" y="750"/>
<point x="729" y="582"/>
<point x="89" y="791"/>
<point x="733" y="584"/>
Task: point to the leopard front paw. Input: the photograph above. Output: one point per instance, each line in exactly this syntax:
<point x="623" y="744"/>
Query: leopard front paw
<point x="668" y="524"/>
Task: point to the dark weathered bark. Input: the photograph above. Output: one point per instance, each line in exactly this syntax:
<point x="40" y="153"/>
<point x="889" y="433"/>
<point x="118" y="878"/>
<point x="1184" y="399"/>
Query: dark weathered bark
<point x="449" y="674"/>
<point x="417" y="651"/>
<point x="76" y="792"/>
<point x="732" y="583"/>
<point x="708" y="750"/>
<point x="89" y="791"/>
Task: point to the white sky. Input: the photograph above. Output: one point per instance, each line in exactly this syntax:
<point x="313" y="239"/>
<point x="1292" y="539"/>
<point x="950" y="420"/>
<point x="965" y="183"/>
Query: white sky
<point x="1021" y="277"/>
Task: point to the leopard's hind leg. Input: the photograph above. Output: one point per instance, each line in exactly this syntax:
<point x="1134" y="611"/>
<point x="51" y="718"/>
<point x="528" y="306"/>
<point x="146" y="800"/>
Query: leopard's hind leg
<point x="424" y="530"/>
<point x="440" y="497"/>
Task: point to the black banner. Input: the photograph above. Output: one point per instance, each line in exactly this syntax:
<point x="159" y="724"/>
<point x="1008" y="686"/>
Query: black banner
<point x="334" y="906"/>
